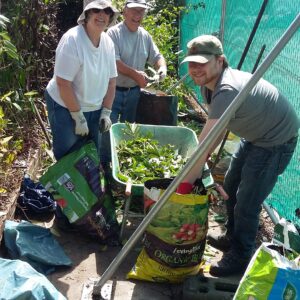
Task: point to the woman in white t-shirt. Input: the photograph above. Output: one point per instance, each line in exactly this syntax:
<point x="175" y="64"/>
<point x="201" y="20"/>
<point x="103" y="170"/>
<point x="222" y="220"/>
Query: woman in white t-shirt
<point x="79" y="97"/>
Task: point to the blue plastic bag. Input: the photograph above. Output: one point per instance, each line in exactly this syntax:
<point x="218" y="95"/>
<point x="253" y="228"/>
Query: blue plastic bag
<point x="34" y="244"/>
<point x="19" y="281"/>
<point x="35" y="198"/>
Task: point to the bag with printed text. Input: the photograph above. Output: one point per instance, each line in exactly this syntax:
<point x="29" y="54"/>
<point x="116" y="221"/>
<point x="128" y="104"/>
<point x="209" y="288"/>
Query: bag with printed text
<point x="174" y="241"/>
<point x="77" y="184"/>
<point x="273" y="273"/>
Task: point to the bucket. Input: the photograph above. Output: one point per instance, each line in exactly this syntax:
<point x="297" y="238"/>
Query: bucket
<point x="156" y="108"/>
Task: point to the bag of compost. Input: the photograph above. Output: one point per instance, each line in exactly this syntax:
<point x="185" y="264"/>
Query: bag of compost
<point x="174" y="241"/>
<point x="77" y="184"/>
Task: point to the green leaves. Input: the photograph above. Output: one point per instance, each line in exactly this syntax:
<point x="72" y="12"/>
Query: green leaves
<point x="7" y="99"/>
<point x="9" y="48"/>
<point x="163" y="27"/>
<point x="3" y="21"/>
<point x="142" y="158"/>
<point x="10" y="60"/>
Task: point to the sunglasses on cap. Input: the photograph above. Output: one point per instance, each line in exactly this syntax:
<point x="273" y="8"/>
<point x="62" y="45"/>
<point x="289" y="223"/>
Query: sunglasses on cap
<point x="107" y="11"/>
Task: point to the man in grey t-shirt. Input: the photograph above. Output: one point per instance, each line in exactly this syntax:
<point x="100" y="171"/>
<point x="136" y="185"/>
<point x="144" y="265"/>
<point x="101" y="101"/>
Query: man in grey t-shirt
<point x="268" y="126"/>
<point x="134" y="48"/>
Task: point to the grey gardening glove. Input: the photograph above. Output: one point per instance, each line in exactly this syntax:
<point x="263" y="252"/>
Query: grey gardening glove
<point x="162" y="72"/>
<point x="81" y="127"/>
<point x="104" y="121"/>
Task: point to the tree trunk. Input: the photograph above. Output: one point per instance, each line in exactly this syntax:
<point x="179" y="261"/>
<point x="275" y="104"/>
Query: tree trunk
<point x="198" y="114"/>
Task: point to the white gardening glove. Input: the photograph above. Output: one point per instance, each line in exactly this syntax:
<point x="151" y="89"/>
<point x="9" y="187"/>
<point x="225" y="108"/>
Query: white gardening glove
<point x="104" y="121"/>
<point x="81" y="127"/>
<point x="162" y="72"/>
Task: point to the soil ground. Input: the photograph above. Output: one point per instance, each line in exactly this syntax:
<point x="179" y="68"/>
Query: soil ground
<point x="91" y="260"/>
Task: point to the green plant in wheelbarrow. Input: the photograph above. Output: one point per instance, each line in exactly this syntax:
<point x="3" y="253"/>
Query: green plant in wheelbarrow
<point x="142" y="158"/>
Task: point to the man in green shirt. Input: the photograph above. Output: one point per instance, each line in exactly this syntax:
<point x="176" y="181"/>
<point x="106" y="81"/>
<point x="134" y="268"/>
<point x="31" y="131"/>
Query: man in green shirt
<point x="268" y="126"/>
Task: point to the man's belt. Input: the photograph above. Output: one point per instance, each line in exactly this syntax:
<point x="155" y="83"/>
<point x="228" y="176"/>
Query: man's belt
<point x="125" y="89"/>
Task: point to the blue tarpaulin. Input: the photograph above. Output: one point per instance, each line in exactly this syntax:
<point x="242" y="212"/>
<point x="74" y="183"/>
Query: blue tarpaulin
<point x="35" y="245"/>
<point x="19" y="281"/>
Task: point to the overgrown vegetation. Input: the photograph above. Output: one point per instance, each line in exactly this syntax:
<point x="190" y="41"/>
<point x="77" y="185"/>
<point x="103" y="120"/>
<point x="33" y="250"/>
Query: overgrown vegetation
<point x="34" y="31"/>
<point x="162" y="22"/>
<point x="11" y="80"/>
<point x="27" y="38"/>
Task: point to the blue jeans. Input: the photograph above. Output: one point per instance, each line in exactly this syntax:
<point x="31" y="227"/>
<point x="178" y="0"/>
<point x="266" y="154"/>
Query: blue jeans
<point x="251" y="176"/>
<point x="123" y="110"/>
<point x="62" y="125"/>
<point x="125" y="105"/>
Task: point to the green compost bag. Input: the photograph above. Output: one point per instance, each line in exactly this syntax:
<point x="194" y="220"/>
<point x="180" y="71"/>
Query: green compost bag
<point x="271" y="275"/>
<point x="77" y="184"/>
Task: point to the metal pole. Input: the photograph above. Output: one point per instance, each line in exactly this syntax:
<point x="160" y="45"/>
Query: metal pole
<point x="262" y="50"/>
<point x="260" y="14"/>
<point x="201" y="105"/>
<point x="222" y="24"/>
<point x="201" y="149"/>
<point x="177" y="83"/>
<point x="271" y="213"/>
<point x="246" y="49"/>
<point x="216" y="160"/>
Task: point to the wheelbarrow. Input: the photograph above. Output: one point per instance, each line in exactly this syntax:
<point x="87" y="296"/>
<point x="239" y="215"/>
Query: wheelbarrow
<point x="184" y="141"/>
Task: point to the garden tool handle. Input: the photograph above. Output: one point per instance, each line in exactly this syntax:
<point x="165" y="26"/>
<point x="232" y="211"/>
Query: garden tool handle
<point x="128" y="188"/>
<point x="221" y="191"/>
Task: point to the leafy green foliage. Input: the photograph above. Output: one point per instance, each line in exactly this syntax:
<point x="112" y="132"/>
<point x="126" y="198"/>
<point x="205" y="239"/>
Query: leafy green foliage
<point x="27" y="35"/>
<point x="162" y="22"/>
<point x="10" y="78"/>
<point x="164" y="30"/>
<point x="34" y="33"/>
<point x="12" y="64"/>
<point x="142" y="158"/>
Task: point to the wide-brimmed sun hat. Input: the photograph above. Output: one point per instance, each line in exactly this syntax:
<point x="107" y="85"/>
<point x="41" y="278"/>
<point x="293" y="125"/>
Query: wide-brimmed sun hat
<point x="99" y="4"/>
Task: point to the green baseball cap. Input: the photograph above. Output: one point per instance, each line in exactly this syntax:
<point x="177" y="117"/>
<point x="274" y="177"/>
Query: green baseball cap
<point x="203" y="48"/>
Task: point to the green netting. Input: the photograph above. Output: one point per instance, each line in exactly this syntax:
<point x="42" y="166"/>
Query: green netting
<point x="283" y="73"/>
<point x="196" y="22"/>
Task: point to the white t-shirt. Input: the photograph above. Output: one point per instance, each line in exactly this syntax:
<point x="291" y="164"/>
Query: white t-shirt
<point x="87" y="67"/>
